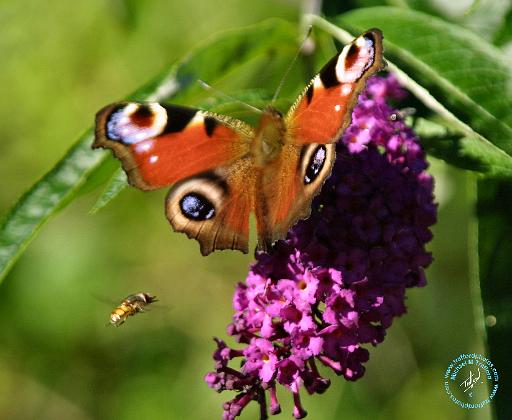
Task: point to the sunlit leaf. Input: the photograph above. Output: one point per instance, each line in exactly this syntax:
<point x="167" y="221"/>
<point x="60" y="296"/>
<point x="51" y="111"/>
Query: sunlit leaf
<point x="469" y="76"/>
<point x="115" y="185"/>
<point x="52" y="192"/>
<point x="487" y="17"/>
<point x="504" y="34"/>
<point x="465" y="147"/>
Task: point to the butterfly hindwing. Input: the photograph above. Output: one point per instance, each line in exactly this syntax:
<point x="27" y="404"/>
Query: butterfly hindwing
<point x="288" y="186"/>
<point x="323" y="111"/>
<point x="214" y="207"/>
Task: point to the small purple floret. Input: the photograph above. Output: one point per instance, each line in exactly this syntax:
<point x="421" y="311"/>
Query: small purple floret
<point x="338" y="280"/>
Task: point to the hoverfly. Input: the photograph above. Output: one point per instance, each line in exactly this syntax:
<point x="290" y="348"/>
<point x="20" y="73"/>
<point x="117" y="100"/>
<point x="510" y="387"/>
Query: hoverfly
<point x="129" y="306"/>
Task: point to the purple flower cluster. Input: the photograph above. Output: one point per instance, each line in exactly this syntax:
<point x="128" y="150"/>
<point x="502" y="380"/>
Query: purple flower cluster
<point x="339" y="279"/>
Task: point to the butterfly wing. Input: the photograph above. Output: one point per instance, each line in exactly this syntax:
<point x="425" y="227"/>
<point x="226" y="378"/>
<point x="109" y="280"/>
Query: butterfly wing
<point x="324" y="109"/>
<point x="214" y="207"/>
<point x="313" y="125"/>
<point x="203" y="155"/>
<point x="287" y="186"/>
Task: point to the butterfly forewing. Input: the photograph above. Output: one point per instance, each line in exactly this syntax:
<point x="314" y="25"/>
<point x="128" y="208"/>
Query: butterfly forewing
<point x="323" y="111"/>
<point x="159" y="145"/>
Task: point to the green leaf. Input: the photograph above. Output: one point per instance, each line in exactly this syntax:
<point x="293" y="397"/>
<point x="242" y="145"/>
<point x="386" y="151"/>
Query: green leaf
<point x="487" y="17"/>
<point x="115" y="185"/>
<point x="504" y="34"/>
<point x="469" y="152"/>
<point x="426" y="6"/>
<point x="216" y="60"/>
<point x="465" y="148"/>
<point x="495" y="253"/>
<point x="468" y="75"/>
<point x="48" y="195"/>
<point x="460" y="145"/>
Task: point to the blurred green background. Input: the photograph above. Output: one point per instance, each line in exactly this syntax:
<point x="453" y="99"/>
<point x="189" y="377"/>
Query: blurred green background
<point x="62" y="61"/>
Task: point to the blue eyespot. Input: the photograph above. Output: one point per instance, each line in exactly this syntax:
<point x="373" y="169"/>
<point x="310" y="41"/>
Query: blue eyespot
<point x="315" y="164"/>
<point x="195" y="206"/>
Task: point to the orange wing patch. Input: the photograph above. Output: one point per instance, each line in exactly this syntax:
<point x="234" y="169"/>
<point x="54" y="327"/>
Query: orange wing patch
<point x="287" y="186"/>
<point x="324" y="109"/>
<point x="159" y="145"/>
<point x="171" y="157"/>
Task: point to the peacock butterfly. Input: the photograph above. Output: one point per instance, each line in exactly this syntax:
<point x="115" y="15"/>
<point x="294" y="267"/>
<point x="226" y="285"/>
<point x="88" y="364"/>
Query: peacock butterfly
<point x="222" y="169"/>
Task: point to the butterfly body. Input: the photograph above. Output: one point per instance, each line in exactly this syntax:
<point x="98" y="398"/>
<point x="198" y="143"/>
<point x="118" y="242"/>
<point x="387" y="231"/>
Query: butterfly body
<point x="221" y="169"/>
<point x="269" y="138"/>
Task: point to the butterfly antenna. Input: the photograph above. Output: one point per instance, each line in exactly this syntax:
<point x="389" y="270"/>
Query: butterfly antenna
<point x="290" y="66"/>
<point x="209" y="88"/>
